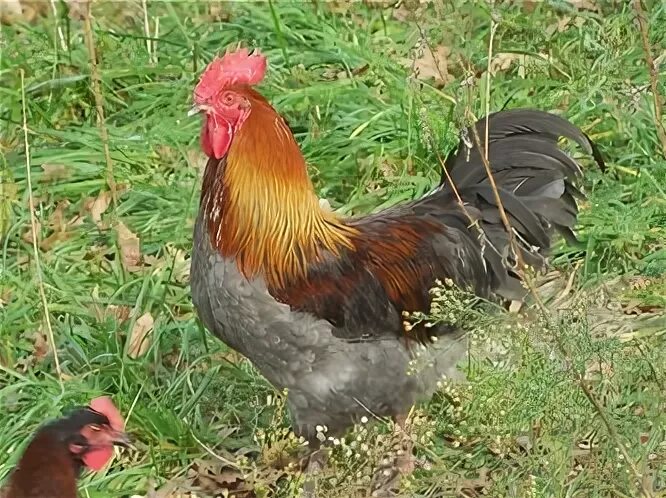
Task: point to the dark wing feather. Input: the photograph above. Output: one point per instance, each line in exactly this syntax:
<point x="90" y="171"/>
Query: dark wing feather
<point x="402" y="251"/>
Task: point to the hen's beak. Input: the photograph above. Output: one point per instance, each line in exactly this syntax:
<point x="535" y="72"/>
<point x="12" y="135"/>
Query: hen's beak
<point x="119" y="438"/>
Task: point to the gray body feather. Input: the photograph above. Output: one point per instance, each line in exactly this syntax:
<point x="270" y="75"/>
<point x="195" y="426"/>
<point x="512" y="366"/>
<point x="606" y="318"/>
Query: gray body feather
<point x="331" y="381"/>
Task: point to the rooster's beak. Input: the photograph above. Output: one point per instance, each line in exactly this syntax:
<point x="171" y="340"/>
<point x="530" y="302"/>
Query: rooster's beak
<point x="197" y="108"/>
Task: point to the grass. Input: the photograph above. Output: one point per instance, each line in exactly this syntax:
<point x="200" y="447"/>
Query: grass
<point x="522" y="426"/>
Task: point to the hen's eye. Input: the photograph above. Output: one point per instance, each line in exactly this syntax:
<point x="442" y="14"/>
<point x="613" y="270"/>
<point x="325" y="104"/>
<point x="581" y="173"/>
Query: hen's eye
<point x="95" y="427"/>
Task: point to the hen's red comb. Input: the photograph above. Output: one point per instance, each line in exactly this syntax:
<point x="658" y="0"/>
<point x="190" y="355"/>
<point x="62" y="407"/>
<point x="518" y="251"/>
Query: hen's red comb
<point x="239" y="67"/>
<point x="105" y="406"/>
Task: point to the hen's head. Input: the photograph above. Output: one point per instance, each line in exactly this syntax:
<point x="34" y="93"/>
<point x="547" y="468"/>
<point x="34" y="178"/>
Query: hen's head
<point x="90" y="433"/>
<point x="222" y="93"/>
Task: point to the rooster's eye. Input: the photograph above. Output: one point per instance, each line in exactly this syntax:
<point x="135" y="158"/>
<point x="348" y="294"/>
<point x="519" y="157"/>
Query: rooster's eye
<point x="228" y="99"/>
<point x="95" y="427"/>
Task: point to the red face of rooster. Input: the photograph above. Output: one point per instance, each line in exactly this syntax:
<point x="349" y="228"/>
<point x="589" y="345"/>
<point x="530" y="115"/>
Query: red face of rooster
<point x="219" y="95"/>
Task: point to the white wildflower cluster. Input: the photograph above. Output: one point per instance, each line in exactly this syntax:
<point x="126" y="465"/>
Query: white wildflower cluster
<point x="449" y="304"/>
<point x="369" y="447"/>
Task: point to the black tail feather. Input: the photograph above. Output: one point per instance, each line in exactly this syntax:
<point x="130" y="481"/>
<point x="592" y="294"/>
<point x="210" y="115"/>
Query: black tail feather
<point x="536" y="183"/>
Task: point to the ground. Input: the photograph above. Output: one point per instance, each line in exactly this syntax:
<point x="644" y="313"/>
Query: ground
<point x="567" y="402"/>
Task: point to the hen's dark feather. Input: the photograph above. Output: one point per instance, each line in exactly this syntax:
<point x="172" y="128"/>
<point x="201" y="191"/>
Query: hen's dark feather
<point x="402" y="251"/>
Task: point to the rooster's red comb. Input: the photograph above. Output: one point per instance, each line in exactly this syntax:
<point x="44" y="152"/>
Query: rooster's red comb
<point x="239" y="67"/>
<point x="105" y="406"/>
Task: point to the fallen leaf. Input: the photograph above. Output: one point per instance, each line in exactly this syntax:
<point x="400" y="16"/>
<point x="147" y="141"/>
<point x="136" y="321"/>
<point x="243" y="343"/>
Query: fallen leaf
<point x="27" y="235"/>
<point x="175" y="261"/>
<point x="59" y="226"/>
<point x="10" y="10"/>
<point x="219" y="11"/>
<point x="590" y="5"/>
<point x="640" y="283"/>
<point x="57" y="218"/>
<point x="41" y="346"/>
<point x="40" y="350"/>
<point x="139" y="339"/>
<point x="54" y="171"/>
<point x="338" y="6"/>
<point x="529" y="6"/>
<point x="76" y="9"/>
<point x="120" y="313"/>
<point x="502" y="62"/>
<point x="638" y="307"/>
<point x="130" y="248"/>
<point x="96" y="206"/>
<point x="433" y="64"/>
<point x="409" y="10"/>
<point x="25" y="11"/>
<point x="558" y="27"/>
<point x="5" y="295"/>
<point x="48" y="243"/>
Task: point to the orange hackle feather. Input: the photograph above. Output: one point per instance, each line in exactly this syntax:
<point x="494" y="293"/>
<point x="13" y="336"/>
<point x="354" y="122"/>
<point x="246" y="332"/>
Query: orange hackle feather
<point x="262" y="209"/>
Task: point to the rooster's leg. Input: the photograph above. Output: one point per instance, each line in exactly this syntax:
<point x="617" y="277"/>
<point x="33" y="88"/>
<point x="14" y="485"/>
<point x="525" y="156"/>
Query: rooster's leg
<point x="405" y="462"/>
<point x="398" y="464"/>
<point x="316" y="463"/>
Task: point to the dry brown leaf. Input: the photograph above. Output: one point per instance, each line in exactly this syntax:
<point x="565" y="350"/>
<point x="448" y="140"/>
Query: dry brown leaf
<point x="120" y="313"/>
<point x="174" y="257"/>
<point x="27" y="235"/>
<point x="10" y="9"/>
<point x="502" y="62"/>
<point x="57" y="218"/>
<point x="130" y="248"/>
<point x="76" y="9"/>
<point x="41" y="346"/>
<point x="433" y="64"/>
<point x="529" y="6"/>
<point x="638" y="307"/>
<point x="5" y="295"/>
<point x="219" y="11"/>
<point x="590" y="5"/>
<point x="338" y="6"/>
<point x="50" y="241"/>
<point x="59" y="226"/>
<point x="26" y="11"/>
<point x="40" y="350"/>
<point x="140" y="336"/>
<point x="54" y="171"/>
<point x="96" y="206"/>
<point x="409" y="10"/>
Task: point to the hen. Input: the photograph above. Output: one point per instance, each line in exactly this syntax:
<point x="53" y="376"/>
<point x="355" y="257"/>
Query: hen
<point x="316" y="301"/>
<point x="53" y="460"/>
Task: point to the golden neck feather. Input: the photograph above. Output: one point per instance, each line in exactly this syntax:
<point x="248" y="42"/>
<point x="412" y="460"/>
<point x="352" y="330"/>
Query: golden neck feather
<point x="262" y="209"/>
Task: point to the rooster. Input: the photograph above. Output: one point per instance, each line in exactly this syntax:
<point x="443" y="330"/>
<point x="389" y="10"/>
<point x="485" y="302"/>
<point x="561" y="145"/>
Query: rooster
<point x="53" y="460"/>
<point x="316" y="301"/>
